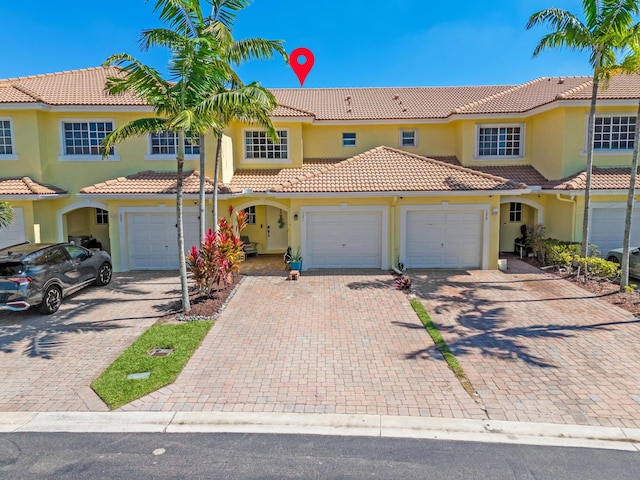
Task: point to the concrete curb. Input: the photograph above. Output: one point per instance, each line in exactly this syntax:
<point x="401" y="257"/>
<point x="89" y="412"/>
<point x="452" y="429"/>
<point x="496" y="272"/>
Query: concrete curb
<point x="325" y="424"/>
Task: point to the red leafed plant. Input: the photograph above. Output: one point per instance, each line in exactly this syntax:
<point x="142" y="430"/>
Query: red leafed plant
<point x="219" y="255"/>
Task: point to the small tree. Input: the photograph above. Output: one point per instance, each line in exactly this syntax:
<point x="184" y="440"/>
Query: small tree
<point x="6" y="214"/>
<point x="219" y="256"/>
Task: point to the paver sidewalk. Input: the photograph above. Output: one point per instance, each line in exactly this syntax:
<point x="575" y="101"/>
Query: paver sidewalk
<point x="538" y="348"/>
<point x="328" y="343"/>
<point x="47" y="362"/>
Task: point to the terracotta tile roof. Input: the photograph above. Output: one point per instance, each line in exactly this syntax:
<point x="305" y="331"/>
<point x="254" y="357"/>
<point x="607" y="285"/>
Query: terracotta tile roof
<point x="382" y="103"/>
<point x="527" y="96"/>
<point x="261" y="179"/>
<point x="286" y="111"/>
<point x="77" y="87"/>
<point x="26" y="186"/>
<point x="623" y="87"/>
<point x="603" y="178"/>
<point x="385" y="169"/>
<point x="150" y="183"/>
<point x="516" y="173"/>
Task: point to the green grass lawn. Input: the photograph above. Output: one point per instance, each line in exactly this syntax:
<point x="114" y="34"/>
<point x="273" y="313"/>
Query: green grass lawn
<point x="116" y="390"/>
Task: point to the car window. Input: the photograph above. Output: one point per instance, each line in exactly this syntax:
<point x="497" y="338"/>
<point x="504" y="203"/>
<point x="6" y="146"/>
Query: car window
<point x="76" y="252"/>
<point x="37" y="258"/>
<point x="56" y="256"/>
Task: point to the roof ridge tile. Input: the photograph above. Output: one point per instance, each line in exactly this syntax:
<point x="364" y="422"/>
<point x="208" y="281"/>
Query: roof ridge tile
<point x="512" y="89"/>
<point x="576" y="89"/>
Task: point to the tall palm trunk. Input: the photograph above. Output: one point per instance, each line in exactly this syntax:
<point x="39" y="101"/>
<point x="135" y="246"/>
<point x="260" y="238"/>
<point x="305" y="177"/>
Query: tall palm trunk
<point x="201" y="199"/>
<point x="186" y="306"/>
<point x="216" y="168"/>
<point x="626" y="243"/>
<point x="590" y="131"/>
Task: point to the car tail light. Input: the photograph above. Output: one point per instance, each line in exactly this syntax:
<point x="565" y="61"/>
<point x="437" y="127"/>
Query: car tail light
<point x="21" y="281"/>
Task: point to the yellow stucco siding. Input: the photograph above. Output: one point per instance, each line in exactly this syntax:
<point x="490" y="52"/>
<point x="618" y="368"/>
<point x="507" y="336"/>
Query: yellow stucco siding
<point x="25" y="145"/>
<point x="322" y="141"/>
<point x="545" y="142"/>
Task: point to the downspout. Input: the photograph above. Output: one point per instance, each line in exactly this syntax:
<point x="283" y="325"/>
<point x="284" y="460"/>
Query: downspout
<point x="394" y="264"/>
<point x="573" y="202"/>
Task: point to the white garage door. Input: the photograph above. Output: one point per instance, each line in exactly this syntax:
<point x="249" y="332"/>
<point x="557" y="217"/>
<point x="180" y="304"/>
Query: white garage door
<point x="153" y="240"/>
<point x="350" y="239"/>
<point x="607" y="228"/>
<point x="15" y="233"/>
<point x="444" y="239"/>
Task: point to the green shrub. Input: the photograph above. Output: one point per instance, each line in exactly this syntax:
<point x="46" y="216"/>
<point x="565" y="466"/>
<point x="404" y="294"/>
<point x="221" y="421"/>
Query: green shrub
<point x="599" y="267"/>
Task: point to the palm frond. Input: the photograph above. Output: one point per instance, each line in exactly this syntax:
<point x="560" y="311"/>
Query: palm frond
<point x="255" y="49"/>
<point x="134" y="128"/>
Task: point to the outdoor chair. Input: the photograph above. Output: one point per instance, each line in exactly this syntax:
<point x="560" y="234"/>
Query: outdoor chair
<point x="249" y="247"/>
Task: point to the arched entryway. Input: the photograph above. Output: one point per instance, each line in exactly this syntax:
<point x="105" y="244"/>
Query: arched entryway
<point x="515" y="212"/>
<point x="267" y="225"/>
<point x="86" y="225"/>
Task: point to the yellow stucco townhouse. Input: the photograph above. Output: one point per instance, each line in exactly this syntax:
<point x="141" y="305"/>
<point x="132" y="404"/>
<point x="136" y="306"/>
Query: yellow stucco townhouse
<point x="433" y="177"/>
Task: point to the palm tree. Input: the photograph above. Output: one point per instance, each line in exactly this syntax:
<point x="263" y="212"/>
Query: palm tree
<point x="177" y="105"/>
<point x="606" y="23"/>
<point x="6" y="214"/>
<point x="251" y="103"/>
<point x="631" y="65"/>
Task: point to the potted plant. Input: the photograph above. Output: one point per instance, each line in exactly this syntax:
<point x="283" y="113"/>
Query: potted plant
<point x="296" y="260"/>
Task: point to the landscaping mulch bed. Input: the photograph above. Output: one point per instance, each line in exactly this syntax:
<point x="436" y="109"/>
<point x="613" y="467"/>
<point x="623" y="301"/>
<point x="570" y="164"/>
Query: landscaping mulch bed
<point x="202" y="305"/>
<point x="606" y="290"/>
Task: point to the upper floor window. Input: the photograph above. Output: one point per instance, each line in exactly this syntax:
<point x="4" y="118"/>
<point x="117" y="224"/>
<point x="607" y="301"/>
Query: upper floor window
<point x="613" y="132"/>
<point x="500" y="141"/>
<point x="165" y="143"/>
<point x="258" y="146"/>
<point x="408" y="138"/>
<point x="349" y="139"/>
<point x="83" y="138"/>
<point x="6" y="138"/>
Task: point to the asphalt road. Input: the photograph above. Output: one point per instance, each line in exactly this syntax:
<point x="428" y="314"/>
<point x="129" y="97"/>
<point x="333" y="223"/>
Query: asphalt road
<point x="253" y="456"/>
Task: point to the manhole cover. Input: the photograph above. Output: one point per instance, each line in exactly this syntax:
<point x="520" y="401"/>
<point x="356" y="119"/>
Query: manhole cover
<point x="160" y="352"/>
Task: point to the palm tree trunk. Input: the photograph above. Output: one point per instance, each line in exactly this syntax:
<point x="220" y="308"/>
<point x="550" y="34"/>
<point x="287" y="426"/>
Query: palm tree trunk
<point x="587" y="191"/>
<point x="215" y="179"/>
<point x="186" y="306"/>
<point x="626" y="243"/>
<point x="201" y="199"/>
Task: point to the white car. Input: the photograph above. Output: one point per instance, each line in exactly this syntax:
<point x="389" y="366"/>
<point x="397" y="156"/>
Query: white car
<point x="634" y="259"/>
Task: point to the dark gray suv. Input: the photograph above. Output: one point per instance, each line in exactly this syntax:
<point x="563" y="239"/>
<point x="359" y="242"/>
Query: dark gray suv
<point x="42" y="274"/>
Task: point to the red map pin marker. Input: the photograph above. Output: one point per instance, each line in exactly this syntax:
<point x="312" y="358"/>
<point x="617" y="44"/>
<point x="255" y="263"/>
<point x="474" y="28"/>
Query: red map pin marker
<point x="301" y="69"/>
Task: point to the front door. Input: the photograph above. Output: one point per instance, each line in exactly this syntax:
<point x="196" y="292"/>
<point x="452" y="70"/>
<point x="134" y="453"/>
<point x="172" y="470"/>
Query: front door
<point x="277" y="229"/>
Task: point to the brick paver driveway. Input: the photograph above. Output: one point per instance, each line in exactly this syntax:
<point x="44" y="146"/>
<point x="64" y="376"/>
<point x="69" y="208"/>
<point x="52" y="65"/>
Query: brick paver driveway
<point x="48" y="362"/>
<point x="538" y="348"/>
<point x="330" y="342"/>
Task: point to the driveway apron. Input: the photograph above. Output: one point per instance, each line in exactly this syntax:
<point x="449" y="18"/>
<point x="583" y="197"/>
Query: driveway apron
<point x="47" y="362"/>
<point x="327" y="343"/>
<point x="538" y="348"/>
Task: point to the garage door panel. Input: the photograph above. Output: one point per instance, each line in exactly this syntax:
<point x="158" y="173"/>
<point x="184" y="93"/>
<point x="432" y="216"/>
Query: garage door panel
<point x="344" y="240"/>
<point x="607" y="228"/>
<point x="14" y="234"/>
<point x="153" y="240"/>
<point x="447" y="239"/>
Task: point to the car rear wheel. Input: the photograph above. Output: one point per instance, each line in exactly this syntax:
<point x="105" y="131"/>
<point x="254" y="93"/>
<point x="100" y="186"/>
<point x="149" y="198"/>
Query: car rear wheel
<point x="105" y="273"/>
<point x="613" y="259"/>
<point x="51" y="300"/>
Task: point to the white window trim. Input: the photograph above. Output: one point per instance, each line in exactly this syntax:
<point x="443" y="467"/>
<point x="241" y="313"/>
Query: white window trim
<point x="483" y="158"/>
<point x="84" y="158"/>
<point x="602" y="152"/>
<point x="10" y="156"/>
<point x="165" y="156"/>
<point x="415" y="137"/>
<point x="355" y="139"/>
<point x="266" y="161"/>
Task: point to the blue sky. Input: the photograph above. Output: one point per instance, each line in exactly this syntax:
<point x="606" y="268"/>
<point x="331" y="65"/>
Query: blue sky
<point x="356" y="43"/>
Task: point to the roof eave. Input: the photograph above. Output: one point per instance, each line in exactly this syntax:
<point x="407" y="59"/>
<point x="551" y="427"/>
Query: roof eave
<point x="437" y="193"/>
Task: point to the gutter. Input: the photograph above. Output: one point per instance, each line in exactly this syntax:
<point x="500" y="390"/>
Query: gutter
<point x="465" y="193"/>
<point x="19" y="198"/>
